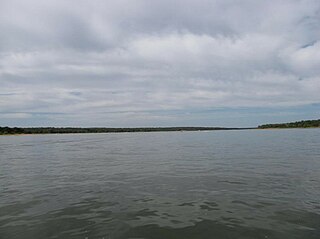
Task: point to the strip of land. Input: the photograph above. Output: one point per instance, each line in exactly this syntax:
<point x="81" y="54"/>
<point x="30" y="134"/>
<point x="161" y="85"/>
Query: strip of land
<point x="74" y="130"/>
<point x="297" y="124"/>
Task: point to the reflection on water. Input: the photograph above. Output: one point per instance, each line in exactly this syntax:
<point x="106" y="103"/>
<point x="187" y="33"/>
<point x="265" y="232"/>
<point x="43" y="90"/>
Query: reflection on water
<point x="224" y="184"/>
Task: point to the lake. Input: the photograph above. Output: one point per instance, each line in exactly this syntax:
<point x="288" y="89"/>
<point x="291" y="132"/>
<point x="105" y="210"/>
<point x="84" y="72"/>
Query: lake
<point x="165" y="185"/>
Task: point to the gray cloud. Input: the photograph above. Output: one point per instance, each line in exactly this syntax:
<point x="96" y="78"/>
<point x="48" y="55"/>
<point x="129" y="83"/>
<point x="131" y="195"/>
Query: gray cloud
<point x="116" y="61"/>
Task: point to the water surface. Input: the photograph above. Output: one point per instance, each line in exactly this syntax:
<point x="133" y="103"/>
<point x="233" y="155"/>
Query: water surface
<point x="217" y="184"/>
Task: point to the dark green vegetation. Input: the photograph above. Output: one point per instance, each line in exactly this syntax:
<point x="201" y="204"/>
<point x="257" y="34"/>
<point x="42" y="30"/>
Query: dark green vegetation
<point x="297" y="124"/>
<point x="71" y="130"/>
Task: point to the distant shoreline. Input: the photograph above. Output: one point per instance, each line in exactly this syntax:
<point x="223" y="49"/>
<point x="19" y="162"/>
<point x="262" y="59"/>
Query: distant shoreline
<point x="16" y="131"/>
<point x="316" y="127"/>
<point x="78" y="130"/>
<point x="297" y="124"/>
<point x="145" y="130"/>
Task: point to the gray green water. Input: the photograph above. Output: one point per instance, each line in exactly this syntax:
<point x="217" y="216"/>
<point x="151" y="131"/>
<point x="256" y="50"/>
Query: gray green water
<point x="219" y="184"/>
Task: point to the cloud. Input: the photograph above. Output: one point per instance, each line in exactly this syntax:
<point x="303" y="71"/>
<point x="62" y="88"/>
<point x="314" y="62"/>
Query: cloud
<point x="114" y="58"/>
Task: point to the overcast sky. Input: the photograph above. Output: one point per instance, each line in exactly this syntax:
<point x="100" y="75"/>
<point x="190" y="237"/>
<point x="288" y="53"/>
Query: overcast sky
<point x="158" y="63"/>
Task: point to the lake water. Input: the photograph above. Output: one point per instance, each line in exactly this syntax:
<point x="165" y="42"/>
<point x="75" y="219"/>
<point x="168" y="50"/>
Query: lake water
<point x="169" y="185"/>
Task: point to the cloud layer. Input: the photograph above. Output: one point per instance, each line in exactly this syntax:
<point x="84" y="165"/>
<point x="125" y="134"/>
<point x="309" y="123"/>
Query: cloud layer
<point x="133" y="63"/>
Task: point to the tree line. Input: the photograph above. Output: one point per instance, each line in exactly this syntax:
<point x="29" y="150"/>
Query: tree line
<point x="72" y="130"/>
<point x="297" y="124"/>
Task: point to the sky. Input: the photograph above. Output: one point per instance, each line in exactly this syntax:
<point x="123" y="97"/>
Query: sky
<point x="134" y="63"/>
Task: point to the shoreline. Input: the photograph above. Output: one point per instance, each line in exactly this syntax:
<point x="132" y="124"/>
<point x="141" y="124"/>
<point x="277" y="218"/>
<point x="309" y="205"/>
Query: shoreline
<point x="303" y="124"/>
<point x="55" y="131"/>
<point x="291" y="128"/>
<point x="156" y="130"/>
